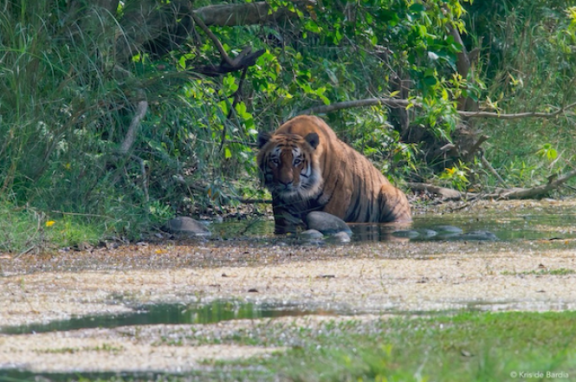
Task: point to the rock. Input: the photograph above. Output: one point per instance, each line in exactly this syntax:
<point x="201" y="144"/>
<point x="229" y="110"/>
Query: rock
<point x="311" y="234"/>
<point x="326" y="223"/>
<point x="425" y="233"/>
<point x="340" y="237"/>
<point x="186" y="226"/>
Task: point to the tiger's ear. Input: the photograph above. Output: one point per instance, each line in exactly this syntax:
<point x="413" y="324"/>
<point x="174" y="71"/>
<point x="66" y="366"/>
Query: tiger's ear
<point x="263" y="138"/>
<point x="313" y="140"/>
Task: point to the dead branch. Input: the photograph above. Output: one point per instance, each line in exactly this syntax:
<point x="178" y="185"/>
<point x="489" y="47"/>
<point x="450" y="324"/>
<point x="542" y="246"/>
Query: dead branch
<point x="255" y="201"/>
<point x="245" y="59"/>
<point x="394" y="102"/>
<point x="445" y="193"/>
<point x="214" y="39"/>
<point x="144" y="176"/>
<point x="134" y="125"/>
<point x="492" y="170"/>
<point x="538" y="191"/>
<point x="484" y="114"/>
<point x="390" y="102"/>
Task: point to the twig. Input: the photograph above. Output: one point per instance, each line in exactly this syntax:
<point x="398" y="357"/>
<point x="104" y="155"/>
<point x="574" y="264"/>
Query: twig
<point x="78" y="214"/>
<point x="144" y="178"/>
<point x="131" y="134"/>
<point x="214" y="39"/>
<point x="391" y="102"/>
<point x="484" y="114"/>
<point x="396" y="103"/>
<point x="446" y="193"/>
<point x="492" y="170"/>
<point x="527" y="193"/>
<point x="24" y="252"/>
<point x="255" y="201"/>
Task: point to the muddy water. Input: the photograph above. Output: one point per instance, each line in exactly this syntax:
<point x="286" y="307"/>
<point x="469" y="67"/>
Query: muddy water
<point x="110" y="309"/>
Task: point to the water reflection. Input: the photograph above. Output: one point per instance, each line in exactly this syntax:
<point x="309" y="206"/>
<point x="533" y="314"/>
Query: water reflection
<point x="507" y="227"/>
<point x="172" y="314"/>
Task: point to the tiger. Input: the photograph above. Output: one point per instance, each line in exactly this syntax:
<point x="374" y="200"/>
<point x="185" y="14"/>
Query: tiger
<point x="307" y="168"/>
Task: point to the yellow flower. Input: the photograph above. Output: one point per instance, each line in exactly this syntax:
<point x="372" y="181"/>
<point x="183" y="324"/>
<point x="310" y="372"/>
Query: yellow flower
<point x="50" y="223"/>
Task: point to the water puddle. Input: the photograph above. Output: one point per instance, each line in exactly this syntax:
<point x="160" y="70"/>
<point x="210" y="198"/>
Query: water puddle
<point x="172" y="314"/>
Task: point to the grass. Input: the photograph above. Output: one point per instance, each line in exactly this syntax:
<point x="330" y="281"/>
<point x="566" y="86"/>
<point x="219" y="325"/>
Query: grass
<point x="468" y="346"/>
<point x="24" y="229"/>
<point x="542" y="272"/>
<point x="465" y="347"/>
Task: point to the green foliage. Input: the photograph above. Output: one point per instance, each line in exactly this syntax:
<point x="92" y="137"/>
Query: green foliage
<point x="528" y="64"/>
<point x="68" y="97"/>
<point x="456" y="177"/>
<point x="67" y="100"/>
<point x="25" y="229"/>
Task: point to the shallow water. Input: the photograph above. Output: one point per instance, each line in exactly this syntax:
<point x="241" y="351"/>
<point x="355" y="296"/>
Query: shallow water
<point x="509" y="226"/>
<point x="174" y="314"/>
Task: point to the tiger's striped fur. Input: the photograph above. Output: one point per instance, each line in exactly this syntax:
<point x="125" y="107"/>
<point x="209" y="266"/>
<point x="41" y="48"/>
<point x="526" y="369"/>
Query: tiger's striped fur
<point x="307" y="168"/>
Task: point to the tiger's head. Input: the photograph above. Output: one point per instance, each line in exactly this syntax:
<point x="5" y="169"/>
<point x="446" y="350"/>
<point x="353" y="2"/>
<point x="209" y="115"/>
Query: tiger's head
<point x="287" y="163"/>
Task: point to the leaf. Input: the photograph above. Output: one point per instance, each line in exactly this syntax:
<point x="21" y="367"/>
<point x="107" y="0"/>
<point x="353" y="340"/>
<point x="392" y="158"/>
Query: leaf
<point x="417" y="8"/>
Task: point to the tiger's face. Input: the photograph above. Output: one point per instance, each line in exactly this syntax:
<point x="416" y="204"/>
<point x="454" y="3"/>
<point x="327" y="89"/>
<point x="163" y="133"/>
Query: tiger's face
<point x="287" y="165"/>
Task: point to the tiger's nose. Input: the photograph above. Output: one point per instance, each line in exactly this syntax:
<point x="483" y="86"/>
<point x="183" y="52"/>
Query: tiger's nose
<point x="286" y="178"/>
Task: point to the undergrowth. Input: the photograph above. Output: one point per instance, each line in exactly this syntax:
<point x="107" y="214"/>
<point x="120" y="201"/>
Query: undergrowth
<point x="529" y="65"/>
<point x="69" y="95"/>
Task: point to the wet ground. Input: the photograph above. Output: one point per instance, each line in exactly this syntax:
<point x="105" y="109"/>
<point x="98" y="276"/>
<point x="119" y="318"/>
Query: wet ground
<point x="112" y="309"/>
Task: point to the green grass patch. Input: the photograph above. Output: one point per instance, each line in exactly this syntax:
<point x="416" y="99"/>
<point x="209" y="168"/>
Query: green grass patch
<point x="470" y="346"/>
<point x="464" y="347"/>
<point x="24" y="229"/>
<point x="542" y="272"/>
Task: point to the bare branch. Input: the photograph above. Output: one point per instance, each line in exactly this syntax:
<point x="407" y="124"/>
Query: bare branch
<point x="214" y="39"/>
<point x="134" y="125"/>
<point x="255" y="201"/>
<point x="391" y="102"/>
<point x="394" y="102"/>
<point x="492" y="170"/>
<point x="538" y="191"/>
<point x="484" y="114"/>
<point x="445" y="193"/>
<point x="144" y="177"/>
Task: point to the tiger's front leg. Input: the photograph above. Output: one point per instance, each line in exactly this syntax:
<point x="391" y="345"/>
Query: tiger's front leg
<point x="285" y="222"/>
